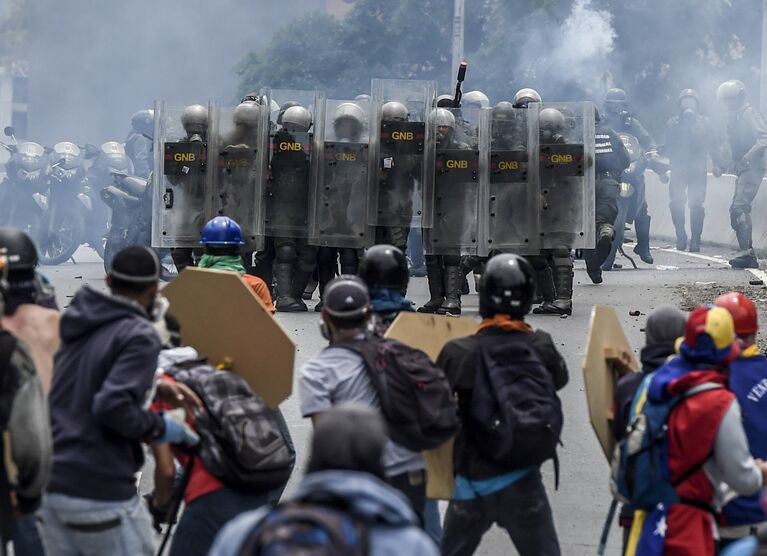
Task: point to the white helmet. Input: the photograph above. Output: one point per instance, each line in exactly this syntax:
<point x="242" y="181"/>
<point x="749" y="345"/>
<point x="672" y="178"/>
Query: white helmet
<point x="194" y="118"/>
<point x="247" y="113"/>
<point x="296" y="119"/>
<point x="443" y="118"/>
<point x="394" y="111"/>
<point x="475" y="99"/>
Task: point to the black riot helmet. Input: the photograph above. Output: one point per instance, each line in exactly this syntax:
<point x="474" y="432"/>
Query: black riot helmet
<point x="507" y="287"/>
<point x="384" y="266"/>
<point x="615" y="101"/>
<point x="20" y="250"/>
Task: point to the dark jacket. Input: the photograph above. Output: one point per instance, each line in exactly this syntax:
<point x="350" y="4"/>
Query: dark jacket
<point x="611" y="154"/>
<point x="102" y="375"/>
<point x="460" y="360"/>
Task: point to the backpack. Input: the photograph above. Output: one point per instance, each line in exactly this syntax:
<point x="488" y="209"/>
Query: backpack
<point x="9" y="385"/>
<point x="241" y="442"/>
<point x="306" y="529"/>
<point x="640" y="474"/>
<point x="515" y="416"/>
<point x="416" y="398"/>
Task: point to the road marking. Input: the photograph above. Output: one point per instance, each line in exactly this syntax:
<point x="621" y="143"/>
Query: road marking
<point x="758" y="273"/>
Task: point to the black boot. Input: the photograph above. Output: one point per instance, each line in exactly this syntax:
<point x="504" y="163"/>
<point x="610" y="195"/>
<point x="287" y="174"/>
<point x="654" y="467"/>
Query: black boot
<point x="563" y="282"/>
<point x="677" y="217"/>
<point x="436" y="285"/>
<point x="285" y="302"/>
<point x="544" y="282"/>
<point x="697" y="215"/>
<point x="453" y="279"/>
<point x="642" y="248"/>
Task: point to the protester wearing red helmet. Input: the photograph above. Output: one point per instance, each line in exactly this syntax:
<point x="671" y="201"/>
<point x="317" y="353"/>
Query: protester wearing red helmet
<point x="748" y="380"/>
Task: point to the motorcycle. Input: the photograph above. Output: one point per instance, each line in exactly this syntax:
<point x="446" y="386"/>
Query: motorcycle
<point x="130" y="201"/>
<point x="22" y="192"/>
<point x="632" y="193"/>
<point x="67" y="207"/>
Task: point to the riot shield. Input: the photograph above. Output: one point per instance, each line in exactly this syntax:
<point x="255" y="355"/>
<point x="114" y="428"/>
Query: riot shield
<point x="565" y="174"/>
<point x="181" y="201"/>
<point x="456" y="211"/>
<point x="509" y="203"/>
<point x="288" y="192"/>
<point x="341" y="191"/>
<point x="239" y="144"/>
<point x="401" y="164"/>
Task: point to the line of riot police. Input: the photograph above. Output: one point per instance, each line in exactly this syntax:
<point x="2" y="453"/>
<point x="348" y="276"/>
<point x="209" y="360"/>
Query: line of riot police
<point x="313" y="181"/>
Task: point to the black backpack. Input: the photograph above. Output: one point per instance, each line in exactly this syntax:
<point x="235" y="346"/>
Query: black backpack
<point x="241" y="442"/>
<point x="416" y="398"/>
<point x="515" y="417"/>
<point x="9" y="385"/>
<point x="307" y="529"/>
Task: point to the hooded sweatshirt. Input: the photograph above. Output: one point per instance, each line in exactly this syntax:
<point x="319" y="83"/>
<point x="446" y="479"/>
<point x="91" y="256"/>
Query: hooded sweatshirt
<point x="102" y="375"/>
<point x="391" y="523"/>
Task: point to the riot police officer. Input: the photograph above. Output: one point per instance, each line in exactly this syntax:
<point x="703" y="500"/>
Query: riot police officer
<point x="611" y="159"/>
<point x="444" y="272"/>
<point x="195" y="121"/>
<point x="747" y="136"/>
<point x="689" y="139"/>
<point x="287" y="211"/>
<point x="524" y="97"/>
<point x="618" y="118"/>
<point x="348" y="127"/>
<point x="138" y="144"/>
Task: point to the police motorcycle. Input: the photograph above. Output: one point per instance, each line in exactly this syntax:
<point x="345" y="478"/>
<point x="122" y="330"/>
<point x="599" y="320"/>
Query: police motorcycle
<point x="21" y="193"/>
<point x="630" y="197"/>
<point x="67" y="207"/>
<point x="108" y="159"/>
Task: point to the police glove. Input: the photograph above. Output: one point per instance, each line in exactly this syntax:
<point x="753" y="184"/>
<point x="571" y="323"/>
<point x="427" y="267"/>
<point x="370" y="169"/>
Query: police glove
<point x="176" y="431"/>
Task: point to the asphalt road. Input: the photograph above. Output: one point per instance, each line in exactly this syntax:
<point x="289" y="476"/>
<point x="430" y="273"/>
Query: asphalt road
<point x="581" y="503"/>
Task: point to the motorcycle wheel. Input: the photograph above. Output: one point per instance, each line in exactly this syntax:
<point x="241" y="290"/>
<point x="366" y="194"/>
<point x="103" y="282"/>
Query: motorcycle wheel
<point x="59" y="246"/>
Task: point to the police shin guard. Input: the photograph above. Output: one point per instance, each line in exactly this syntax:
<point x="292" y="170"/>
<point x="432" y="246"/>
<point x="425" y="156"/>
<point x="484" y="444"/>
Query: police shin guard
<point x="697" y="215"/>
<point x="454" y="278"/>
<point x="642" y="248"/>
<point x="677" y="217"/>
<point x="563" y="285"/>
<point x="285" y="302"/>
<point x="436" y="285"/>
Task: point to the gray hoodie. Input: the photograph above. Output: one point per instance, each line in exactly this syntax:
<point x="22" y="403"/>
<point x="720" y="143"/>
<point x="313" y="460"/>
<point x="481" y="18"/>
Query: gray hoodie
<point x="384" y="511"/>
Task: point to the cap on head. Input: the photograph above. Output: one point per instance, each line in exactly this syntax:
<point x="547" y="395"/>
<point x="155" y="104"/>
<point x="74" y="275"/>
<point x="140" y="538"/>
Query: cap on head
<point x="384" y="266"/>
<point x="743" y="312"/>
<point x="475" y="99"/>
<point x="394" y="111"/>
<point x="346" y="298"/>
<point x="351" y="437"/>
<point x="709" y="336"/>
<point x="507" y="287"/>
<point x="525" y="96"/>
<point x="221" y="230"/>
<point x="136" y="265"/>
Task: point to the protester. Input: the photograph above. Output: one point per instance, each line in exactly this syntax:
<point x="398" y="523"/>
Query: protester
<point x="343" y="499"/>
<point x="24" y="418"/>
<point x="211" y="500"/>
<point x="384" y="270"/>
<point x="338" y="375"/>
<point x="707" y="449"/>
<point x="487" y="491"/>
<point x="222" y="238"/>
<point x="747" y="380"/>
<point x="665" y="325"/>
<point x="30" y="312"/>
<point x="102" y="376"/>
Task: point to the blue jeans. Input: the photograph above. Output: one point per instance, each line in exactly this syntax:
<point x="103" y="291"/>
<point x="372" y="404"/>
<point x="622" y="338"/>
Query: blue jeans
<point x="205" y="516"/>
<point x="73" y="526"/>
<point x="26" y="539"/>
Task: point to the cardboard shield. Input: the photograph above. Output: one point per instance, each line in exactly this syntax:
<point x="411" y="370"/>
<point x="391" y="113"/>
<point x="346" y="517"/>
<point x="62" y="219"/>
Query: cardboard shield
<point x="430" y="333"/>
<point x="224" y="320"/>
<point x="608" y="355"/>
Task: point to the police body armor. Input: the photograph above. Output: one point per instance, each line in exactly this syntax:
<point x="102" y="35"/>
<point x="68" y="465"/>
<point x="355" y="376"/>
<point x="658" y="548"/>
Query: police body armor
<point x="565" y="175"/>
<point x="341" y="193"/>
<point x="456" y="215"/>
<point x="240" y="149"/>
<point x="181" y="201"/>
<point x="401" y="171"/>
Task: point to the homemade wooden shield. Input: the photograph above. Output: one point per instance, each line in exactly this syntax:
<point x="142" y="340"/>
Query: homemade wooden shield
<point x="608" y="355"/>
<point x="430" y="333"/>
<point x="224" y="320"/>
